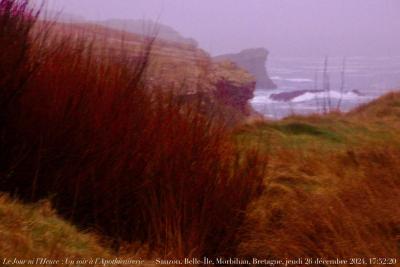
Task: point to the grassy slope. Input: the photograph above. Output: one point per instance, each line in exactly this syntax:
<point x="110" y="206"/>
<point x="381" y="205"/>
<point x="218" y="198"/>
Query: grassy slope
<point x="332" y="186"/>
<point x="310" y="149"/>
<point x="374" y="123"/>
<point x="321" y="151"/>
<point x="34" y="231"/>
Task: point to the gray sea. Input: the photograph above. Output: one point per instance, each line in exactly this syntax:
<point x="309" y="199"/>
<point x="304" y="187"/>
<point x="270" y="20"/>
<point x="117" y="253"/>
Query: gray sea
<point x="364" y="78"/>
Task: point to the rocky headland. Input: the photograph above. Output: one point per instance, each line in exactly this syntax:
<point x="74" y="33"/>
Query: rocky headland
<point x="178" y="65"/>
<point x="254" y="61"/>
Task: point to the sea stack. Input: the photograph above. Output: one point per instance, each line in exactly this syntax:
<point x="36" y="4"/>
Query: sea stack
<point x="254" y="61"/>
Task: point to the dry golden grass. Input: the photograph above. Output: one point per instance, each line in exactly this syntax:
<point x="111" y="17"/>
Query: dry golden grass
<point x="355" y="213"/>
<point x="328" y="198"/>
<point x="35" y="231"/>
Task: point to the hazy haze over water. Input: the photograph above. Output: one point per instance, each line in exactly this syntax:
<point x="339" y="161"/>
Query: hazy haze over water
<point x="285" y="27"/>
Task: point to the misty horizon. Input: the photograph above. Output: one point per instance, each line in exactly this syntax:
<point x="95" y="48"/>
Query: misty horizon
<point x="285" y="28"/>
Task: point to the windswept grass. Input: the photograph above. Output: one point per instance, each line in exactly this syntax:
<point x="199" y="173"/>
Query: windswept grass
<point x="35" y="231"/>
<point x="79" y="127"/>
<point x="351" y="210"/>
<point x="332" y="198"/>
<point x="326" y="133"/>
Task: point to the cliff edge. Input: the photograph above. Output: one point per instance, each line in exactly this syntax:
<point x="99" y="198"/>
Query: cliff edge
<point x="147" y="28"/>
<point x="180" y="67"/>
<point x="254" y="61"/>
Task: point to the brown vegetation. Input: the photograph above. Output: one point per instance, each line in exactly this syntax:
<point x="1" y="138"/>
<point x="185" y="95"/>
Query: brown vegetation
<point x="340" y="206"/>
<point x="79" y="127"/>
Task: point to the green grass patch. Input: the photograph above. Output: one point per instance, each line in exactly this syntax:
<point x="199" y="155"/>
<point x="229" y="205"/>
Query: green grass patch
<point x="300" y="128"/>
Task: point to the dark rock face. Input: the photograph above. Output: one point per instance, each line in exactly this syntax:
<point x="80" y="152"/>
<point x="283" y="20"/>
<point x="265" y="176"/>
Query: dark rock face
<point x="236" y="96"/>
<point x="226" y="93"/>
<point x="228" y="102"/>
<point x="252" y="60"/>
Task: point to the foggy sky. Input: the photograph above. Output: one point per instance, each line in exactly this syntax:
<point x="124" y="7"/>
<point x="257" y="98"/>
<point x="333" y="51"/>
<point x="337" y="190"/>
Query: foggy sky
<point x="285" y="27"/>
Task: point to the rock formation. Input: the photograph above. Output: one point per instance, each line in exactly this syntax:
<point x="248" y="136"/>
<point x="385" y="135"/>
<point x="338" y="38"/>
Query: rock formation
<point x="185" y="69"/>
<point x="254" y="61"/>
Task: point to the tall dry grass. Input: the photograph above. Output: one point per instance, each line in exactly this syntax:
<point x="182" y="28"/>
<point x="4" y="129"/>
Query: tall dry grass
<point x="343" y="206"/>
<point x="79" y="127"/>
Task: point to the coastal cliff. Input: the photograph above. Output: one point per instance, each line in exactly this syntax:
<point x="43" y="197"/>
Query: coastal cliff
<point x="180" y="67"/>
<point x="254" y="61"/>
<point x="234" y="87"/>
<point x="147" y="28"/>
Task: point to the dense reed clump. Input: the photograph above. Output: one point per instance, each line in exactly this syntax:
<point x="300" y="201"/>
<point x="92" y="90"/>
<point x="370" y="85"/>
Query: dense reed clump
<point x="78" y="127"/>
<point x="16" y="21"/>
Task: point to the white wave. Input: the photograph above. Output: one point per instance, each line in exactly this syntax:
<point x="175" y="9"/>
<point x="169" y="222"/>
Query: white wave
<point x="261" y="100"/>
<point x="308" y="96"/>
<point x="300" y="80"/>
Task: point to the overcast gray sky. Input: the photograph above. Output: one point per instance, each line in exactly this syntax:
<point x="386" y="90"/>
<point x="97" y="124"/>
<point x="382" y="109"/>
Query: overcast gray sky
<point x="285" y="27"/>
